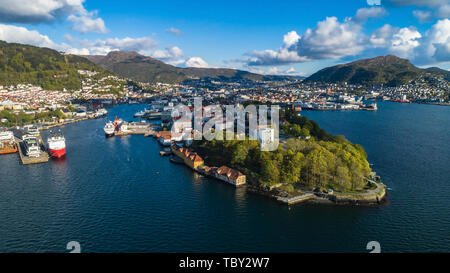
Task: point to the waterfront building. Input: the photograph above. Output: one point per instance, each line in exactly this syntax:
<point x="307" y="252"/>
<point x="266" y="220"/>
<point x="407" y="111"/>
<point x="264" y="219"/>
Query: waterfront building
<point x="229" y="175"/>
<point x="192" y="159"/>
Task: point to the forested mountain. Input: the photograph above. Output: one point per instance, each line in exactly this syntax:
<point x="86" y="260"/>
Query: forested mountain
<point x="389" y="70"/>
<point x="41" y="66"/>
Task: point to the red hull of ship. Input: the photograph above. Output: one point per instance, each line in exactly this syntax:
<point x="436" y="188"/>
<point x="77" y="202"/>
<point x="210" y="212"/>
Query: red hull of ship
<point x="57" y="153"/>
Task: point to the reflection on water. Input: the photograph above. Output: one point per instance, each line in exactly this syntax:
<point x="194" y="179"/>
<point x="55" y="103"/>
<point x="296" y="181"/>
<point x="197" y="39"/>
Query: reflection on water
<point x="240" y="195"/>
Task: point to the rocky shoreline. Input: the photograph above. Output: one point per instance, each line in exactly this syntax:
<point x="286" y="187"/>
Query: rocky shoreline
<point x="370" y="199"/>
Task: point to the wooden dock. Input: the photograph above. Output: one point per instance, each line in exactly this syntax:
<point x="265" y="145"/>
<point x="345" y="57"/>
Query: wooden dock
<point x="42" y="158"/>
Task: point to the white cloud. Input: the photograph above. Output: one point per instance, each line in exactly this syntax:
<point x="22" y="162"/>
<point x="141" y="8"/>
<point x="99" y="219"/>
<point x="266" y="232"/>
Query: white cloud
<point x="174" y="31"/>
<point x="291" y="38"/>
<point x="330" y="39"/>
<point x="271" y="57"/>
<point x="196" y="62"/>
<point x="423" y="16"/>
<point x="365" y="13"/>
<point x="34" y="11"/>
<point x="272" y="71"/>
<point x="433" y="47"/>
<point x="382" y="36"/>
<point x="399" y="41"/>
<point x="142" y="45"/>
<point x="277" y="71"/>
<point x="85" y="22"/>
<point x="172" y="55"/>
<point x="291" y="70"/>
<point x="15" y="34"/>
<point x="171" y="52"/>
<point x="38" y="11"/>
<point x="405" y="41"/>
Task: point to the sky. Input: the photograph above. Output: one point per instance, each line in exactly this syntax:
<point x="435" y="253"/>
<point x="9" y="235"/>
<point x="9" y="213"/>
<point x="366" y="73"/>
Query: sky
<point x="289" y="37"/>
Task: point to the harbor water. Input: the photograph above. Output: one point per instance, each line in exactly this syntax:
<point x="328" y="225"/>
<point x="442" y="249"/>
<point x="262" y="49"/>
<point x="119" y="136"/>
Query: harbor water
<point x="119" y="195"/>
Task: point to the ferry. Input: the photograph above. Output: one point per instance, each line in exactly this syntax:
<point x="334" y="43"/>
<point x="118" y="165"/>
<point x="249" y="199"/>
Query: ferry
<point x="31" y="144"/>
<point x="141" y="114"/>
<point x="56" y="145"/>
<point x="7" y="143"/>
<point x="109" y="129"/>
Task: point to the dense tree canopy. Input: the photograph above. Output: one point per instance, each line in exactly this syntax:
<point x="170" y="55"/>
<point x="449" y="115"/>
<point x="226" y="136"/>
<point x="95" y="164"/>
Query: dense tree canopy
<point x="323" y="161"/>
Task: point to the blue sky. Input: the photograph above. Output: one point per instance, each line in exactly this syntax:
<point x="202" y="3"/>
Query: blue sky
<point x="275" y="37"/>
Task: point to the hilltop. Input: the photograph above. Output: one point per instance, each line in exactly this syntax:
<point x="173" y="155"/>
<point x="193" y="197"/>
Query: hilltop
<point x="147" y="69"/>
<point x="389" y="70"/>
<point x="42" y="66"/>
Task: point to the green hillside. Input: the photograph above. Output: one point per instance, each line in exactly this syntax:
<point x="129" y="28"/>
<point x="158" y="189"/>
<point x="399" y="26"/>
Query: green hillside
<point x="389" y="70"/>
<point x="41" y="66"/>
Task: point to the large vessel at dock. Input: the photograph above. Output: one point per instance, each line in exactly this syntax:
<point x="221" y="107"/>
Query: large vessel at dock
<point x="112" y="127"/>
<point x="31" y="145"/>
<point x="7" y="143"/>
<point x="109" y="129"/>
<point x="56" y="145"/>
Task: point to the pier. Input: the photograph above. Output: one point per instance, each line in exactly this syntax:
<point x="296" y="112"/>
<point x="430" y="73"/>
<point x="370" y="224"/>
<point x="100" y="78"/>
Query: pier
<point x="134" y="128"/>
<point x="26" y="160"/>
<point x="296" y="199"/>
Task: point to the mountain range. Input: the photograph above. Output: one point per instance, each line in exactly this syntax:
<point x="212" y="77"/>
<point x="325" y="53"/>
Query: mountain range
<point x="146" y="69"/>
<point x="54" y="70"/>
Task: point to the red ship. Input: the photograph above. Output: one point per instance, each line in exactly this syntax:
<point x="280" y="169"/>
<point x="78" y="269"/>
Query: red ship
<point x="57" y="145"/>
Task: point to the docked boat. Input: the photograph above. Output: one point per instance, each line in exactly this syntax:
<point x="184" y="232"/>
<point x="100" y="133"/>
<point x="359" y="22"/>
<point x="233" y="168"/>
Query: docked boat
<point x="32" y="130"/>
<point x="141" y="114"/>
<point x="402" y="101"/>
<point x="370" y="107"/>
<point x="7" y="143"/>
<point x="100" y="113"/>
<point x="31" y="145"/>
<point x="109" y="129"/>
<point x="56" y="145"/>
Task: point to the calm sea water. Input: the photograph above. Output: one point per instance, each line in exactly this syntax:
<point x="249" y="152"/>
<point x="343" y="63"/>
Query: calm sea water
<point x="119" y="195"/>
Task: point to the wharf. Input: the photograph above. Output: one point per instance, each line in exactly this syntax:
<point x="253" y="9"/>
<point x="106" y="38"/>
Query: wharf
<point x="296" y="199"/>
<point x="138" y="129"/>
<point x="49" y="126"/>
<point x="42" y="158"/>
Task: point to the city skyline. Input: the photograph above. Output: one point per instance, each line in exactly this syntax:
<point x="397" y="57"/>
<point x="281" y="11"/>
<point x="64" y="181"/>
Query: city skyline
<point x="287" y="38"/>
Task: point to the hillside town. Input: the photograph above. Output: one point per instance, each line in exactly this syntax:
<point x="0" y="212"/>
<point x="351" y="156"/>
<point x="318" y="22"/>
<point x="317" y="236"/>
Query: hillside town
<point x="302" y="95"/>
